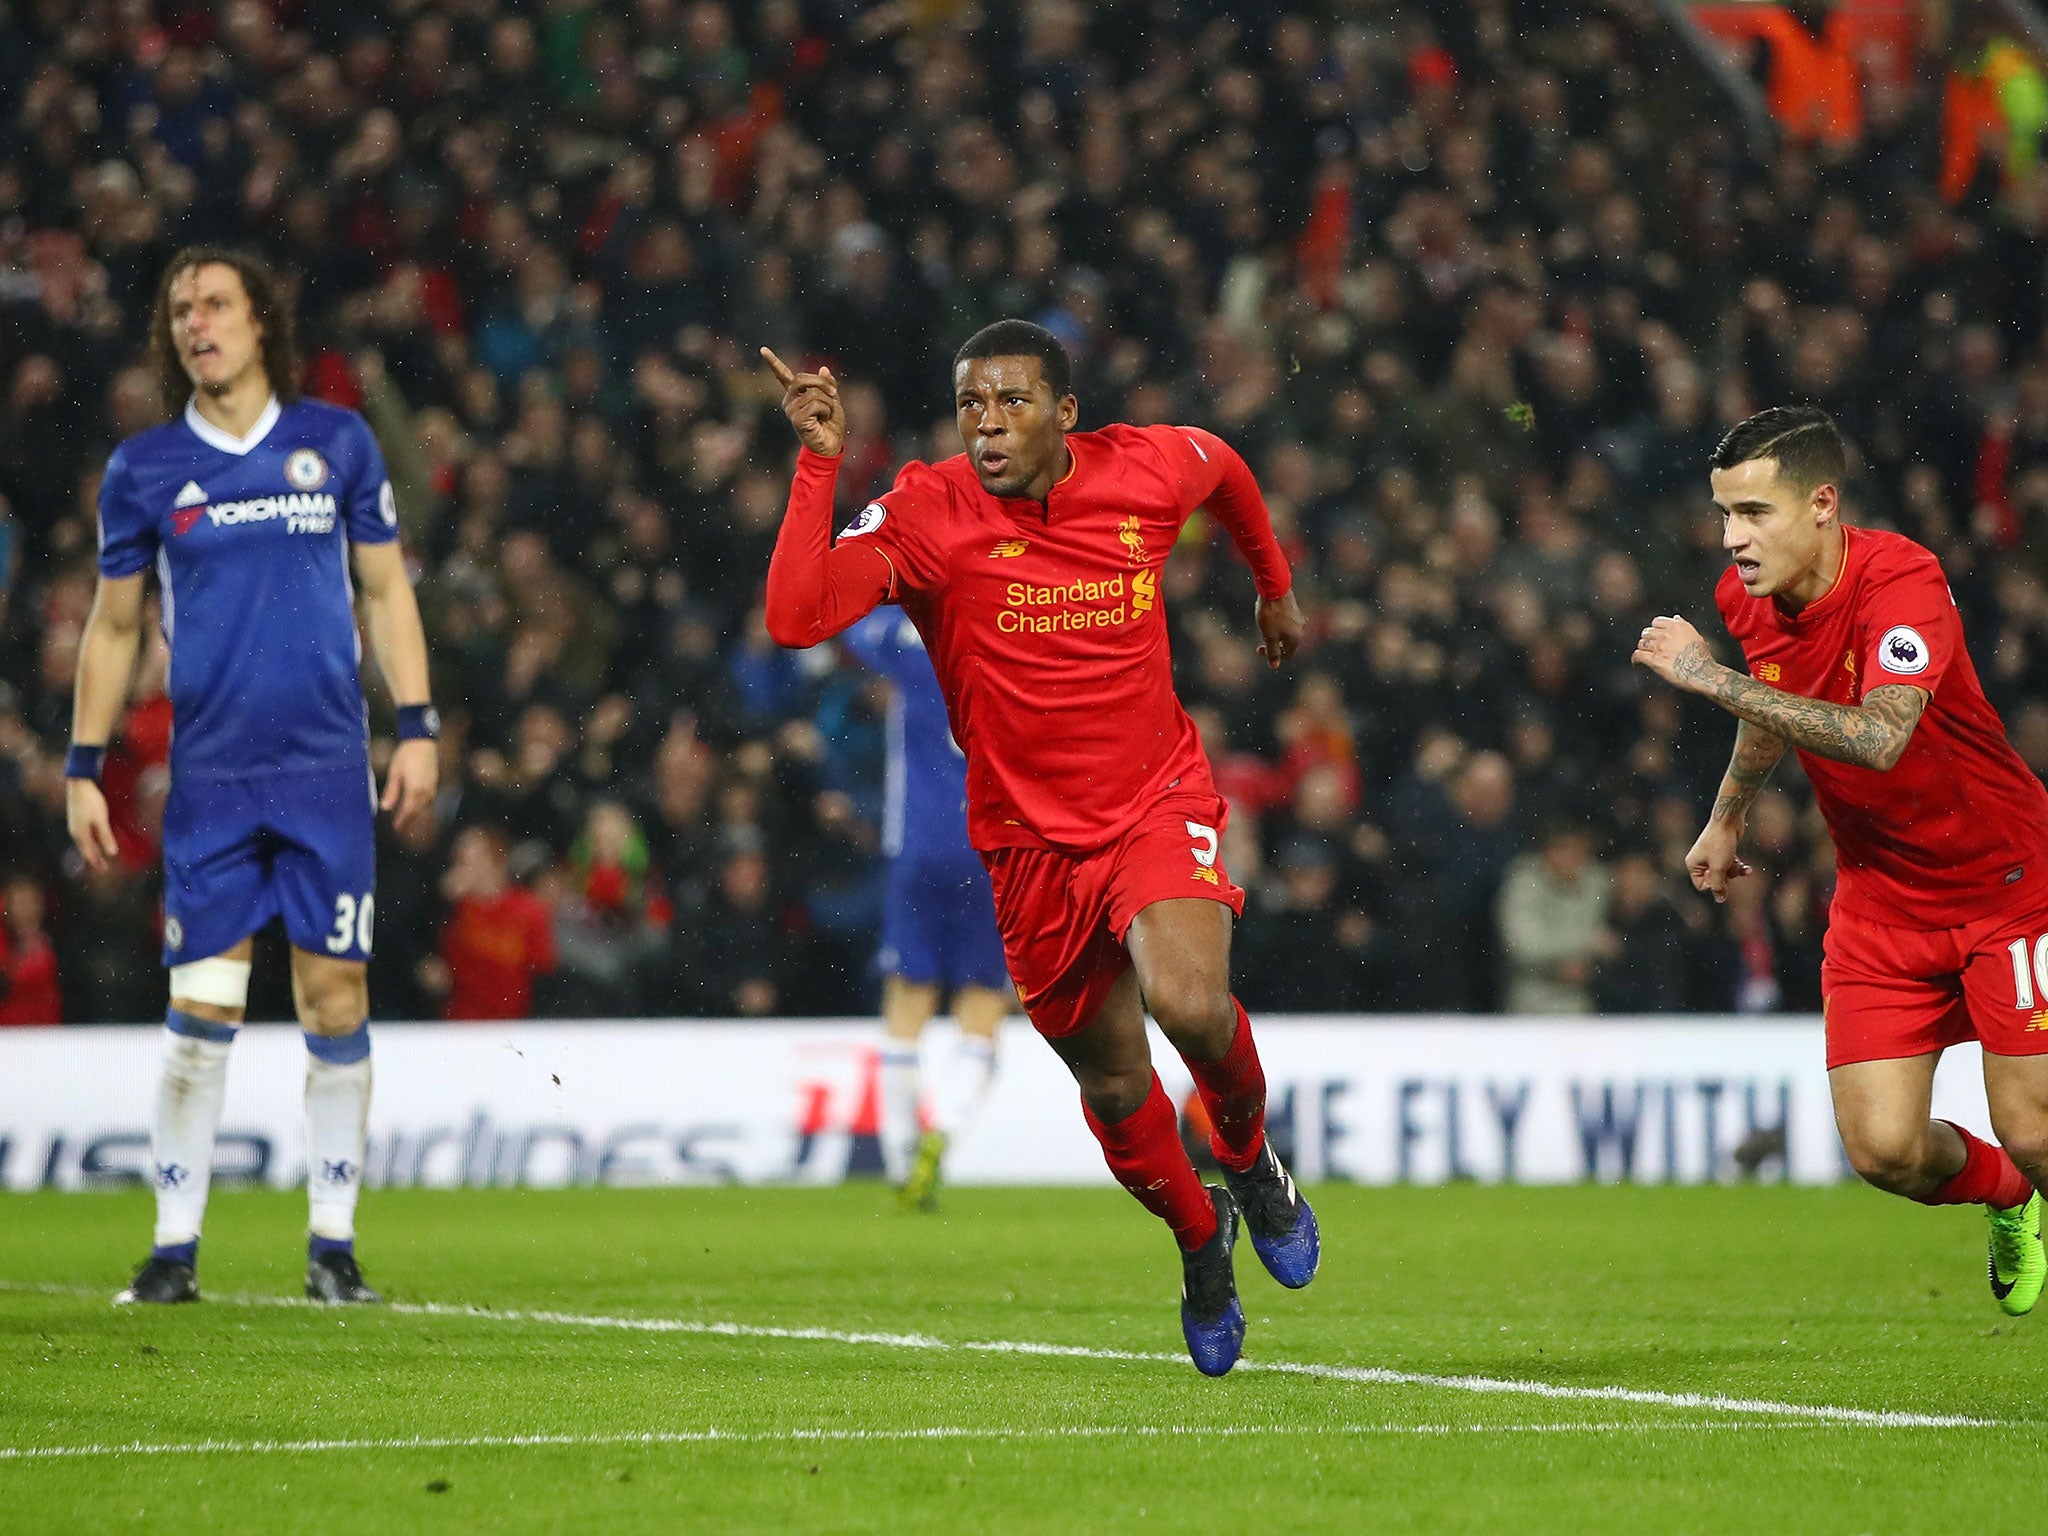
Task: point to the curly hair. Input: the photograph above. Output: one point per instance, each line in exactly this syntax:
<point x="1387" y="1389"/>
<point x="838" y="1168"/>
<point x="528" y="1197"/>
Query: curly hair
<point x="280" y="347"/>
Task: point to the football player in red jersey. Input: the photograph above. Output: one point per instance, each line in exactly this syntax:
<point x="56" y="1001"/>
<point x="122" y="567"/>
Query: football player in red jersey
<point x="1939" y="927"/>
<point x="1030" y="565"/>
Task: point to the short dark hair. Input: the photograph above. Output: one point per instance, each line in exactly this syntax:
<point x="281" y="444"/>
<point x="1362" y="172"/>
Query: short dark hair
<point x="1020" y="338"/>
<point x="280" y="346"/>
<point x="1803" y="439"/>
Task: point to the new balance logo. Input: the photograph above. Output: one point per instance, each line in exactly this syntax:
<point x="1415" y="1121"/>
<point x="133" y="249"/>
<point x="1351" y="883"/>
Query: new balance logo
<point x="191" y="496"/>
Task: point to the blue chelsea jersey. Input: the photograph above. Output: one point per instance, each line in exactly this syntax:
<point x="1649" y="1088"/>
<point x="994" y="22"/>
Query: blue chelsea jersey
<point x="924" y="813"/>
<point x="250" y="539"/>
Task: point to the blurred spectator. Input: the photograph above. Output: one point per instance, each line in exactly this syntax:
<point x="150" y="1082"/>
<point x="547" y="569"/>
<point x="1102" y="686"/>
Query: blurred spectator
<point x="608" y="926"/>
<point x="28" y="960"/>
<point x="1647" y="968"/>
<point x="733" y="956"/>
<point x="499" y="938"/>
<point x="1454" y="848"/>
<point x="1553" y="913"/>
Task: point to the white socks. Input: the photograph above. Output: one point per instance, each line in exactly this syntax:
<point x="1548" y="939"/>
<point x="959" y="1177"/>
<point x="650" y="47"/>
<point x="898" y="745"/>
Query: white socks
<point x="971" y="1071"/>
<point x="964" y="1083"/>
<point x="191" y="1087"/>
<point x="337" y="1121"/>
<point x="898" y="1129"/>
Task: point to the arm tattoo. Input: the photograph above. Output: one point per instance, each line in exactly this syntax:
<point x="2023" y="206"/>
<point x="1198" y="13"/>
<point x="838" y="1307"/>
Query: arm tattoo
<point x="1870" y="735"/>
<point x="1756" y="753"/>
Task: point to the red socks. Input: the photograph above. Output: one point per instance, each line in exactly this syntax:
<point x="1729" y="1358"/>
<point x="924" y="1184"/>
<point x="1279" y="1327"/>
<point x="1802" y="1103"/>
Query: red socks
<point x="1233" y="1091"/>
<point x="1145" y="1154"/>
<point x="1144" y="1151"/>
<point x="1989" y="1177"/>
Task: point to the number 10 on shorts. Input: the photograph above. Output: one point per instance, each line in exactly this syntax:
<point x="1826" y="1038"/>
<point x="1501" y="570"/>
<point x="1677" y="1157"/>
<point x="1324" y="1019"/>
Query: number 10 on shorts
<point x="353" y="916"/>
<point x="2029" y="979"/>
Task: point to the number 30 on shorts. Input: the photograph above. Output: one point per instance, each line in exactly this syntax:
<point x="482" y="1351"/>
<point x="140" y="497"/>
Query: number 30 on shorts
<point x="2029" y="974"/>
<point x="353" y="916"/>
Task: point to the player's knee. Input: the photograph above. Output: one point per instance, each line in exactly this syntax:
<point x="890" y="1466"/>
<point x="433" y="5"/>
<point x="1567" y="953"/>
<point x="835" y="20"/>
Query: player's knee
<point x="1115" y="1096"/>
<point x="2025" y="1139"/>
<point x="1197" y="1017"/>
<point x="335" y="1004"/>
<point x="1894" y="1161"/>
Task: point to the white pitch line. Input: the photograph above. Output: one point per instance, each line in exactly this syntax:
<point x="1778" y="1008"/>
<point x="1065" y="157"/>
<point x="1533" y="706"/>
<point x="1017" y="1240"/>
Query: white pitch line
<point x="1363" y="1374"/>
<point x="667" y="1437"/>
<point x="1366" y="1375"/>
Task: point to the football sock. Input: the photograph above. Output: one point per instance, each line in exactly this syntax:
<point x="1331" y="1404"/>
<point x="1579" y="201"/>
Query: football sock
<point x="191" y="1086"/>
<point x="1143" y="1150"/>
<point x="337" y="1121"/>
<point x="899" y="1107"/>
<point x="1233" y="1090"/>
<point x="1989" y="1177"/>
<point x="973" y="1068"/>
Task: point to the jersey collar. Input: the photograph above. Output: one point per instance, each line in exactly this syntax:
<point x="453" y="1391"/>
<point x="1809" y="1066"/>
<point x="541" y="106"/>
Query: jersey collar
<point x="1057" y="495"/>
<point x="1827" y="602"/>
<point x="226" y="442"/>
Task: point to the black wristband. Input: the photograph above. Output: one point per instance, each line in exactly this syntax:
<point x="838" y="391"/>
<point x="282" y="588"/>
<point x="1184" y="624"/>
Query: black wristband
<point x="84" y="762"/>
<point x="419" y="722"/>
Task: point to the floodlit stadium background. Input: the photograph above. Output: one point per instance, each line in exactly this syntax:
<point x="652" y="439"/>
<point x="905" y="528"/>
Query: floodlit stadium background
<point x="1475" y="288"/>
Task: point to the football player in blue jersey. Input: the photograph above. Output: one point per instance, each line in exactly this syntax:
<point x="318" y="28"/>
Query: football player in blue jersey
<point x="251" y="505"/>
<point x="939" y="922"/>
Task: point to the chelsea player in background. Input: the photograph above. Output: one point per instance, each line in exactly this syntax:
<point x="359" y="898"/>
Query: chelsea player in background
<point x="249" y="503"/>
<point x="939" y="920"/>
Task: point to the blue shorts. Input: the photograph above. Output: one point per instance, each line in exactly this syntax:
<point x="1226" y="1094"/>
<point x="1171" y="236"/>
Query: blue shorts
<point x="238" y="852"/>
<point x="939" y="925"/>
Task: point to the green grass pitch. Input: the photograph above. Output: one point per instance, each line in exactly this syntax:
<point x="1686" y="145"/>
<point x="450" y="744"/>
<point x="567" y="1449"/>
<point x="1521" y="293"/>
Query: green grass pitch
<point x="842" y="1398"/>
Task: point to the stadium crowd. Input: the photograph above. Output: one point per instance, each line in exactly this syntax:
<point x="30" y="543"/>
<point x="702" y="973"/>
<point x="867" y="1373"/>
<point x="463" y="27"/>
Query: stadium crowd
<point x="1475" y="288"/>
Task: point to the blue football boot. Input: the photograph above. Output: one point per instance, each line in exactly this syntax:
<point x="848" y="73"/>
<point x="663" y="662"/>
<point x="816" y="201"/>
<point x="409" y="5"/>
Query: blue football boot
<point x="1283" y="1228"/>
<point x="1211" y="1318"/>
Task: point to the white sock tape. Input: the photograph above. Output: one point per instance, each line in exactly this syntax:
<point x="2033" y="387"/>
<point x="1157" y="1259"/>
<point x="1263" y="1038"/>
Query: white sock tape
<point x="221" y="982"/>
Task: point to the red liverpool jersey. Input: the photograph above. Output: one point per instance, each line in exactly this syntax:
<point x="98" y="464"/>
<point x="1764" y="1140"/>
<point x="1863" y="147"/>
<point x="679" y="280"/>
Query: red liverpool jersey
<point x="1043" y="622"/>
<point x="1959" y="827"/>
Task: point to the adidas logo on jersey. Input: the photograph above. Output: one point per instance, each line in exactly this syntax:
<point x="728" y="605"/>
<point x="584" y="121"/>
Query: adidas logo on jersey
<point x="186" y="510"/>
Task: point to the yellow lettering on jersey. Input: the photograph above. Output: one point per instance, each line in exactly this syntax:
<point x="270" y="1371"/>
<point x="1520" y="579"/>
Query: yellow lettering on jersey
<point x="1769" y="672"/>
<point x="1019" y="595"/>
<point x="1065" y="619"/>
<point x="1009" y="549"/>
<point x="1069" y="605"/>
<point x="1144" y="591"/>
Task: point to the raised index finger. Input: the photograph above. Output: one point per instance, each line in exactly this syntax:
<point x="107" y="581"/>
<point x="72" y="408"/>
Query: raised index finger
<point x="784" y="374"/>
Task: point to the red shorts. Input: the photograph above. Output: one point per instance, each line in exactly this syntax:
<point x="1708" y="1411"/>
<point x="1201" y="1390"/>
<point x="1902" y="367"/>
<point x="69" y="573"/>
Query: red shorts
<point x="1063" y="916"/>
<point x="1889" y="992"/>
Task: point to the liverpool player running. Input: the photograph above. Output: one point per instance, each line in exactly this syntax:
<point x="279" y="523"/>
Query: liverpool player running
<point x="249" y="504"/>
<point x="1030" y="564"/>
<point x="1939" y="929"/>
